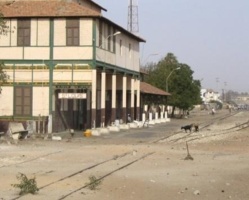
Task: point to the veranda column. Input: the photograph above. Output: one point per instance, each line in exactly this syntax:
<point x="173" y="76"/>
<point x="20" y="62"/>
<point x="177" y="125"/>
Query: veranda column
<point x="138" y="99"/>
<point x="132" y="98"/>
<point x="103" y="94"/>
<point x="124" y="117"/>
<point x="114" y="96"/>
<point x="94" y="93"/>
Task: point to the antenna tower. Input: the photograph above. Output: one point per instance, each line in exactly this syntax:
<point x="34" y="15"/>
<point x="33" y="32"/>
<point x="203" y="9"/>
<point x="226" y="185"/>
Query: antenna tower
<point x="133" y="16"/>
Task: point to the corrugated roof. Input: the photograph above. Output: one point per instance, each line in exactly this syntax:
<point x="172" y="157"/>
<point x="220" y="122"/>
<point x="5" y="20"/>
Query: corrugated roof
<point x="149" y="89"/>
<point x="45" y="9"/>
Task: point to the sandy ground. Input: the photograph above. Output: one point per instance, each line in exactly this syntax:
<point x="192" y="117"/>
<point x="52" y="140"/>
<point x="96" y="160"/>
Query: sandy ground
<point x="155" y="168"/>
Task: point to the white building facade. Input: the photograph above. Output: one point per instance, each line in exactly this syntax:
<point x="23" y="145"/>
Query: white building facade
<point x="69" y="67"/>
<point x="208" y="95"/>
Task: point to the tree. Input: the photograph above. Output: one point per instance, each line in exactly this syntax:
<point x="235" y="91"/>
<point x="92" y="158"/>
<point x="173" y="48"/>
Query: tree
<point x="158" y="73"/>
<point x="3" y="27"/>
<point x="184" y="90"/>
<point x="3" y="76"/>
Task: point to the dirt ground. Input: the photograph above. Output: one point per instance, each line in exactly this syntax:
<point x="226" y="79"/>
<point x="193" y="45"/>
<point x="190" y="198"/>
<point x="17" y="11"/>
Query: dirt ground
<point x="155" y="169"/>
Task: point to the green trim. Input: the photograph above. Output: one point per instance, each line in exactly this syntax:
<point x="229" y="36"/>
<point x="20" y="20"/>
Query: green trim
<point x="42" y="46"/>
<point x="72" y="75"/>
<point x="51" y="39"/>
<point x="44" y="84"/>
<point x="55" y="62"/>
<point x="20" y="118"/>
<point x="76" y="85"/>
<point x="51" y="56"/>
<point x="72" y="67"/>
<point x="94" y="35"/>
<point x="19" y="84"/>
<point x="117" y="69"/>
<point x="33" y="67"/>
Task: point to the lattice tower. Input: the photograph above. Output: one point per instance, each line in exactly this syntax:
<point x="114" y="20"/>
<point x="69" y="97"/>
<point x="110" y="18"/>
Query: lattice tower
<point x="133" y="16"/>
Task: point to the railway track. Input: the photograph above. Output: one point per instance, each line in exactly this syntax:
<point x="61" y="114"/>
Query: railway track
<point x="110" y="165"/>
<point x="71" y="184"/>
<point x="204" y="131"/>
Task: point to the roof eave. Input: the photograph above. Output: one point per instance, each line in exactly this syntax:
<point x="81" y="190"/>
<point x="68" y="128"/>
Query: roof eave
<point x="123" y="29"/>
<point x="102" y="8"/>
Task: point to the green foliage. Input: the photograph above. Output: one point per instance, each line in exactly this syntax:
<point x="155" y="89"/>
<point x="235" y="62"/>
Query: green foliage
<point x="185" y="90"/>
<point x="94" y="183"/>
<point x="158" y="73"/>
<point x="26" y="185"/>
<point x="178" y="78"/>
<point x="3" y="27"/>
<point x="3" y="30"/>
<point x="3" y="76"/>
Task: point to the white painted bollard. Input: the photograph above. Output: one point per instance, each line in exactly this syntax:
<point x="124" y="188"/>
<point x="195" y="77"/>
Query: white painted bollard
<point x="161" y="115"/>
<point x="151" y="121"/>
<point x="156" y="118"/>
<point x="150" y="116"/>
<point x="143" y="117"/>
<point x="166" y="116"/>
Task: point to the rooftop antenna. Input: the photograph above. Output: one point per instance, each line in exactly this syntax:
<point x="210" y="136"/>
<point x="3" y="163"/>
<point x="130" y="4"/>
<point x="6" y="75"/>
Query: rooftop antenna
<point x="133" y="16"/>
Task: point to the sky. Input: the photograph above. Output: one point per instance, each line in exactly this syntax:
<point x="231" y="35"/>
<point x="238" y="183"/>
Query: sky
<point x="211" y="36"/>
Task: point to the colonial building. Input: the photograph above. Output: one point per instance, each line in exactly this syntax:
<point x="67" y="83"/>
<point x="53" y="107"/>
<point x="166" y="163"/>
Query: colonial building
<point x="69" y="67"/>
<point x="209" y="95"/>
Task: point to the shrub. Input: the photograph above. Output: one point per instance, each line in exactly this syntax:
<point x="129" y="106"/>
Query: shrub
<point x="94" y="183"/>
<point x="26" y="185"/>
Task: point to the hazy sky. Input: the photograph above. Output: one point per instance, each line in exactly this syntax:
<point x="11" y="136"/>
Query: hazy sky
<point x="211" y="36"/>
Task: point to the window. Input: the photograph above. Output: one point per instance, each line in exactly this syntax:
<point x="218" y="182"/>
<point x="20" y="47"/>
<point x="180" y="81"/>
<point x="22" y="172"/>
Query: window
<point x="100" y="33"/>
<point x="109" y="38"/>
<point x="72" y="31"/>
<point x="130" y="50"/>
<point x="121" y="47"/>
<point x="23" y="101"/>
<point x="23" y="32"/>
<point x="114" y="43"/>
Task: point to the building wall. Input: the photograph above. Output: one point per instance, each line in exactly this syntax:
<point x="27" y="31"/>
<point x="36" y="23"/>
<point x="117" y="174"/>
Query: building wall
<point x="39" y="47"/>
<point x="6" y="106"/>
<point x="125" y="56"/>
<point x="40" y="97"/>
<point x="67" y="67"/>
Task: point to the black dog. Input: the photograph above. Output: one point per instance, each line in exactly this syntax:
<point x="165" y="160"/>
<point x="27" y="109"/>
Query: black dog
<point x="187" y="127"/>
<point x="196" y="126"/>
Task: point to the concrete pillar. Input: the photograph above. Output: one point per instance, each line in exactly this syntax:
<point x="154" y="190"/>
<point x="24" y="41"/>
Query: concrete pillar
<point x="124" y="103"/>
<point x="132" y="98"/>
<point x="94" y="94"/>
<point x="138" y="99"/>
<point x="114" y="96"/>
<point x="103" y="97"/>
